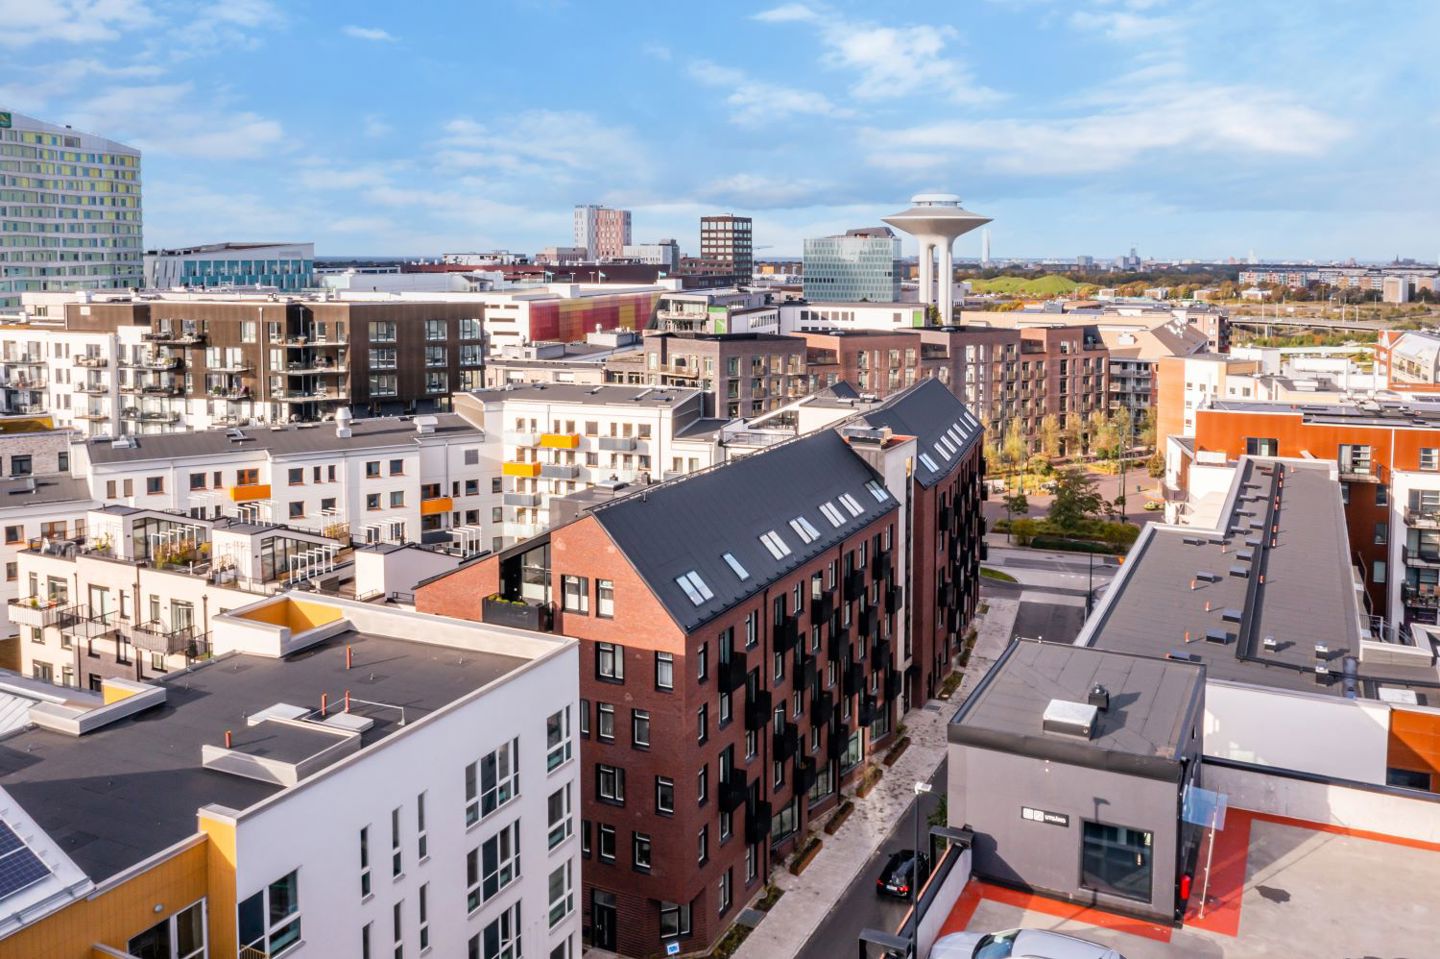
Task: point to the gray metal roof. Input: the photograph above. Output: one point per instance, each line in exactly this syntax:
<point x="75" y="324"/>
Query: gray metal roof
<point x="1153" y="704"/>
<point x="116" y="796"/>
<point x="929" y="412"/>
<point x="600" y="395"/>
<point x="1308" y="596"/>
<point x="688" y="524"/>
<point x="379" y="432"/>
<point x="44" y="488"/>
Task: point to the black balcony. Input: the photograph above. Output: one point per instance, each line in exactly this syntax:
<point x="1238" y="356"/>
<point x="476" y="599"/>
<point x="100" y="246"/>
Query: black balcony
<point x="757" y="821"/>
<point x="805" y="672"/>
<point x="882" y="566"/>
<point x="804" y="774"/>
<point x="839" y="740"/>
<point x="893" y="681"/>
<point x="757" y="709"/>
<point x="517" y="614"/>
<point x="839" y="644"/>
<point x="868" y="711"/>
<point x="854" y="678"/>
<point x="822" y="707"/>
<point x="731" y="673"/>
<point x="784" y="742"/>
<point x="984" y="550"/>
<point x="822" y="608"/>
<point x="892" y="600"/>
<point x="854" y="585"/>
<point x="880" y="652"/>
<point x="784" y="633"/>
<point x="870" y="622"/>
<point x="945" y="596"/>
<point x="943" y="518"/>
<point x="733" y="791"/>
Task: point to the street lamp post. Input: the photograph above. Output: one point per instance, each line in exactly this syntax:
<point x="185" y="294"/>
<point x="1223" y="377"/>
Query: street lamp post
<point x="921" y="788"/>
<point x="1090" y="585"/>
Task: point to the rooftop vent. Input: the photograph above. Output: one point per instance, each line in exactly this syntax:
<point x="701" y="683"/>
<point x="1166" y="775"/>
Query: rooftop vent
<point x="426" y="424"/>
<point x="124" y="443"/>
<point x="1099" y="697"/>
<point x="1065" y="718"/>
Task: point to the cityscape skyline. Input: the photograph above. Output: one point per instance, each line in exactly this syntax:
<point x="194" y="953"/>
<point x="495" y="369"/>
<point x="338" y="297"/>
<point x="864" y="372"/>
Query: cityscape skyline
<point x="1123" y="136"/>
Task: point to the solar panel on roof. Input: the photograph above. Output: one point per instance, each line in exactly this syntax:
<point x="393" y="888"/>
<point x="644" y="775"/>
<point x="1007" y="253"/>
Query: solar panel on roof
<point x="9" y="842"/>
<point x="19" y="870"/>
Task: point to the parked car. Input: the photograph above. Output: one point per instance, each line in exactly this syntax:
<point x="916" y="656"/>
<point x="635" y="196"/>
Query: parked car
<point x="1154" y="505"/>
<point x="898" y="872"/>
<point x="1018" y="943"/>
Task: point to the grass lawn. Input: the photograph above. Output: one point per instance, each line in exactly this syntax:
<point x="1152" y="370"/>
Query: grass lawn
<point x="1051" y="284"/>
<point x="995" y="574"/>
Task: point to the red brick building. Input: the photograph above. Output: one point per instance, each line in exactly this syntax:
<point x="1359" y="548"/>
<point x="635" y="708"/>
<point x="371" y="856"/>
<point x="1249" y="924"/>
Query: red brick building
<point x="747" y="642"/>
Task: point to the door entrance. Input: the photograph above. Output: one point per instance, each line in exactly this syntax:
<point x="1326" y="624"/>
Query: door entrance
<point x="602" y="920"/>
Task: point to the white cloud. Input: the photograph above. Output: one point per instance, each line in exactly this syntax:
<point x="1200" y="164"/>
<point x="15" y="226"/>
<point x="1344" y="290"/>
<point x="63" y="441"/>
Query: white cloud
<point x="553" y="144"/>
<point x="218" y="27"/>
<point x="754" y="101"/>
<point x="166" y="122"/>
<point x="1223" y="119"/>
<point x="367" y="33"/>
<point x="375" y="127"/>
<point x="751" y="191"/>
<point x="27" y="22"/>
<point x="888" y="62"/>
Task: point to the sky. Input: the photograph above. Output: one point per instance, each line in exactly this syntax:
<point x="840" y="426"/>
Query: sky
<point x="1203" y="129"/>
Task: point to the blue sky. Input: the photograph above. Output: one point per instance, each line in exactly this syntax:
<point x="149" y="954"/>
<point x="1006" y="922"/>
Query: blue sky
<point x="1203" y="129"/>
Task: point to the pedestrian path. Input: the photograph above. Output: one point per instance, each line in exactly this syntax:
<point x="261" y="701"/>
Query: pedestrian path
<point x="810" y="897"/>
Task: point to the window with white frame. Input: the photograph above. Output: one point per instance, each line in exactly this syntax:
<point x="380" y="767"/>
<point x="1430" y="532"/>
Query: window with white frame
<point x="576" y="593"/>
<point x="500" y="939"/>
<point x="557" y="739"/>
<point x="562" y="893"/>
<point x="493" y="866"/>
<point x="559" y="819"/>
<point x="492" y="782"/>
<point x="269" y="920"/>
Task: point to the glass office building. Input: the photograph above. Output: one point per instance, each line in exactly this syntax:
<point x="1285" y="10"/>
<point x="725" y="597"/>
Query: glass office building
<point x="282" y="266"/>
<point x="861" y="265"/>
<point x="69" y="210"/>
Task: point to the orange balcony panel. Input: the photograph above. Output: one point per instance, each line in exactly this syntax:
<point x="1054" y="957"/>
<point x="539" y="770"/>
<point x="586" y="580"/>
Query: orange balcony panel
<point x="528" y="470"/>
<point x="246" y="494"/>
<point x="560" y="441"/>
<point x="440" y="504"/>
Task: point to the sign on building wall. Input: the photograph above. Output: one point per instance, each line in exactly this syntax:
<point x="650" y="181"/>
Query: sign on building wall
<point x="1040" y="815"/>
<point x="4" y="121"/>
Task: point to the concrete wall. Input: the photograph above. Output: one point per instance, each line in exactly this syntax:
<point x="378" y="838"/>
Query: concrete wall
<point x="1341" y="738"/>
<point x="1389" y="813"/>
<point x="987" y="790"/>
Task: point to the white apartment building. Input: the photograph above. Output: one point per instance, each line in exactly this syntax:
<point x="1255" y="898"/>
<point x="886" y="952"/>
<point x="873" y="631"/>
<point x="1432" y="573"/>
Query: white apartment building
<point x="558" y="439"/>
<point x="365" y="780"/>
<point x="70" y="213"/>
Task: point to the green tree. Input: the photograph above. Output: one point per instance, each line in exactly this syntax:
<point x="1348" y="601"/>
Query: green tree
<point x="1073" y="434"/>
<point x="1100" y="434"/>
<point x="1076" y="500"/>
<point x="1015" y="504"/>
<point x="1050" y="434"/>
<point x="1014" y="445"/>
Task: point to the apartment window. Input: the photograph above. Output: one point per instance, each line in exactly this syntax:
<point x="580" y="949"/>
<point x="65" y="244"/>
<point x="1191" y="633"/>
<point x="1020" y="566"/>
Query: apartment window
<point x="1354" y="458"/>
<point x="422" y="840"/>
<point x="605" y="598"/>
<point x="154" y="485"/>
<point x="640" y="728"/>
<point x="702" y="662"/>
<point x="1382" y="533"/>
<point x="610" y="662"/>
<point x="436" y="356"/>
<point x="585" y="717"/>
<point x="752" y="863"/>
<point x="500" y="939"/>
<point x="397" y="499"/>
<point x="725" y="892"/>
<point x="297" y="477"/>
<point x="197" y="481"/>
<point x="1382" y="495"/>
<point x="611" y="783"/>
<point x="664" y="671"/>
<point x="364" y="862"/>
<point x="664" y="794"/>
<point x="576" y="593"/>
<point x="702" y="846"/>
<point x="365" y="933"/>
<point x="606" y="840"/>
<point x="1378" y="571"/>
<point x="397" y="467"/>
<point x="640" y="851"/>
<point x="372" y="469"/>
<point x="702" y="785"/>
<point x="269" y="921"/>
<point x="702" y="723"/>
<point x="557" y="739"/>
<point x="436" y="330"/>
<point x="397" y="865"/>
<point x="559" y="820"/>
<point x="14" y="534"/>
<point x="397" y="915"/>
<point x="372" y="501"/>
<point x="492" y="782"/>
<point x="424" y="916"/>
<point x="674" y="920"/>
<point x="1430" y="458"/>
<point x="296" y="509"/>
<point x="605" y="721"/>
<point x="1116" y="860"/>
<point x="382" y="331"/>
<point x="562" y="893"/>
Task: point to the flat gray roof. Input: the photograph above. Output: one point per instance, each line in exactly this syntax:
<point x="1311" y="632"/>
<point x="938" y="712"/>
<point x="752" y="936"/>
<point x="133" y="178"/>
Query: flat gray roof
<point x="598" y="395"/>
<point x="378" y="432"/>
<point x="116" y="796"/>
<point x="44" y="488"/>
<point x="1153" y="705"/>
<point x="1308" y="595"/>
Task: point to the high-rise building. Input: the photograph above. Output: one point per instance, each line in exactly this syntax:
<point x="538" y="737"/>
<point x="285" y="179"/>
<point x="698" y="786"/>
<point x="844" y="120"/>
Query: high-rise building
<point x="69" y="225"/>
<point x="728" y="239"/>
<point x="285" y="266"/>
<point x="601" y="231"/>
<point x="861" y="265"/>
<point x="985" y="247"/>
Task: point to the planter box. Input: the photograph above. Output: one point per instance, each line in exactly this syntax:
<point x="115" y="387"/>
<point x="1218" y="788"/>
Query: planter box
<point x="806" y="855"/>
<point x="872" y="777"/>
<point x="516" y="615"/>
<point x="897" y="751"/>
<point x="838" y="820"/>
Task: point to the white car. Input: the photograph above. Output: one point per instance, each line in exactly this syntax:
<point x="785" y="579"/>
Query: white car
<point x="1018" y="944"/>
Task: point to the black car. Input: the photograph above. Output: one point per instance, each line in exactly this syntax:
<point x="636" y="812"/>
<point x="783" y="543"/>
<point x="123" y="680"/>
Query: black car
<point x="899" y="870"/>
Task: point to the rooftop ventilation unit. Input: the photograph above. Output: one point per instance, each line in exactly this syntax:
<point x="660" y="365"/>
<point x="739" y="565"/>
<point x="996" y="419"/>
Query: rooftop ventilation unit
<point x="425" y="425"/>
<point x="1065" y="718"/>
<point x="124" y="443"/>
<point x="1219" y="637"/>
<point x="1099" y="697"/>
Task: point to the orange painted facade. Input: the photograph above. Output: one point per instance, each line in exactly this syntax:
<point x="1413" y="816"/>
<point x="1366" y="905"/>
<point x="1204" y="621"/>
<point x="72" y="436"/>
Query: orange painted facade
<point x="1415" y="742"/>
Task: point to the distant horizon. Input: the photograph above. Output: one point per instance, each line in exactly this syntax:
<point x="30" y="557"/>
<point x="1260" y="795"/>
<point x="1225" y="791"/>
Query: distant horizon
<point x="967" y="261"/>
<point x="1091" y="124"/>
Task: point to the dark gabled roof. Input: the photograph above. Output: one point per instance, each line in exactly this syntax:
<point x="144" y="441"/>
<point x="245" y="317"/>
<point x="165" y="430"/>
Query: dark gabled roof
<point x="929" y="412"/>
<point x="689" y="524"/>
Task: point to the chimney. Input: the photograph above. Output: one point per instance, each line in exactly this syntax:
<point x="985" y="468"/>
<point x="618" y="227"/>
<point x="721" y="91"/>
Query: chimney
<point x="343" y="420"/>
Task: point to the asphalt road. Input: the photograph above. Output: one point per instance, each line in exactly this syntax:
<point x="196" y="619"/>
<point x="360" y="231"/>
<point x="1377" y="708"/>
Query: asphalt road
<point x="860" y="907"/>
<point x="1050" y="622"/>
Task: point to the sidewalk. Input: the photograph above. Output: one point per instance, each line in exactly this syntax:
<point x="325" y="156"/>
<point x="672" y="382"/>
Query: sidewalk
<point x="809" y="898"/>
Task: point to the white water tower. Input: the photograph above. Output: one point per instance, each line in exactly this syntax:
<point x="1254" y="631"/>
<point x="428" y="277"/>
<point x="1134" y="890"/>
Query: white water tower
<point x="936" y="219"/>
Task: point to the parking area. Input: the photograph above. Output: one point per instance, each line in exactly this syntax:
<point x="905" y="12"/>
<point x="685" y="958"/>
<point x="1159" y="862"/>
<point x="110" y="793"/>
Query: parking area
<point x="1279" y="888"/>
